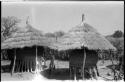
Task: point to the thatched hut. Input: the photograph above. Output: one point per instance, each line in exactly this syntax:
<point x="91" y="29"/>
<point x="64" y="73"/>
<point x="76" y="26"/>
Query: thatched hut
<point x="83" y="42"/>
<point x="27" y="44"/>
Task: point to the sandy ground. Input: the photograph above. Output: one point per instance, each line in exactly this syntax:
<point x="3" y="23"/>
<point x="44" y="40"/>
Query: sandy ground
<point x="16" y="76"/>
<point x="26" y="76"/>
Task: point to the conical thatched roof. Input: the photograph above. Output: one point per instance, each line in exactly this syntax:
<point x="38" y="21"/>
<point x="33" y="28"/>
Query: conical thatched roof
<point x="26" y="37"/>
<point x="83" y="35"/>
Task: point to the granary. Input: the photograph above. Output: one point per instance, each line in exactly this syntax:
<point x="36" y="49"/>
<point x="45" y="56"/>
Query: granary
<point x="83" y="43"/>
<point x="24" y="47"/>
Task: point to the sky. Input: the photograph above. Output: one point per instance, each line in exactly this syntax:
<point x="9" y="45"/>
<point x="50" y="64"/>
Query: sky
<point x="106" y="17"/>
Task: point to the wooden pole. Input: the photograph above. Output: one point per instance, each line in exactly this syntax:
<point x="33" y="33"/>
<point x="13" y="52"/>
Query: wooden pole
<point x="18" y="65"/>
<point x="14" y="63"/>
<point x="75" y="73"/>
<point x="112" y="62"/>
<point x="36" y="60"/>
<point x="45" y="55"/>
<point x="84" y="63"/>
<point x="82" y="17"/>
<point x="23" y="66"/>
<point x="70" y="71"/>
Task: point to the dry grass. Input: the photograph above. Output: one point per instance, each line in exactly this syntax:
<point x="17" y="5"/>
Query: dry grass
<point x="26" y="37"/>
<point x="83" y="35"/>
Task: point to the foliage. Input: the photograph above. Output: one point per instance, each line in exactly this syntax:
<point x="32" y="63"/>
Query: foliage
<point x="8" y="26"/>
<point x="59" y="33"/>
<point x="55" y="34"/>
<point x="49" y="35"/>
<point x="118" y="34"/>
<point x="118" y="43"/>
<point x="117" y="40"/>
<point x="58" y="55"/>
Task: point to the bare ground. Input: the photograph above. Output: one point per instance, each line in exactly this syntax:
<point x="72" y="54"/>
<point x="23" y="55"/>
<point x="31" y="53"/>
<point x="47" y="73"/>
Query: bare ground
<point x="59" y="75"/>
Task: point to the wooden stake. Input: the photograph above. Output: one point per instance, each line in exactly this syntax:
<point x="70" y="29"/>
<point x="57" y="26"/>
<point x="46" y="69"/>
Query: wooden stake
<point x="75" y="73"/>
<point x="90" y="72"/>
<point x="70" y="72"/>
<point x="36" y="60"/>
<point x="22" y="66"/>
<point x="18" y="66"/>
<point x="95" y="71"/>
<point x="82" y="17"/>
<point x="84" y="63"/>
<point x="14" y="63"/>
<point x="112" y="63"/>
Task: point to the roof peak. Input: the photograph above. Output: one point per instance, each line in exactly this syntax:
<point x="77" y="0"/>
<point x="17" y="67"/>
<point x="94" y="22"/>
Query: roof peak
<point x="83" y="20"/>
<point x="82" y="23"/>
<point x="83" y="17"/>
<point x="83" y="27"/>
<point x="27" y="20"/>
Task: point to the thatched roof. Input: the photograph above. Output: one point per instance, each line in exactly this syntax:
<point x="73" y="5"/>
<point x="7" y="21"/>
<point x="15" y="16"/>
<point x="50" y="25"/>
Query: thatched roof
<point x="83" y="35"/>
<point x="26" y="37"/>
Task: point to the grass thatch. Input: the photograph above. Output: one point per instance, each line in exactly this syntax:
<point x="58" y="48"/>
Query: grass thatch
<point x="83" y="35"/>
<point x="26" y="37"/>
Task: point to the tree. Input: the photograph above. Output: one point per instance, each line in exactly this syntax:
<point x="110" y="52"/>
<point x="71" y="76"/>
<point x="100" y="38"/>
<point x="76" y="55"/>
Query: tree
<point x="49" y="35"/>
<point x="118" y="34"/>
<point x="59" y="33"/>
<point x="8" y="26"/>
<point x="55" y="34"/>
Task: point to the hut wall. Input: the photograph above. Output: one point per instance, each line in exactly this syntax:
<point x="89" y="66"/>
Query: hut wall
<point x="40" y="51"/>
<point x="91" y="58"/>
<point x="25" y="52"/>
<point x="77" y="57"/>
<point x="26" y="58"/>
<point x="10" y="53"/>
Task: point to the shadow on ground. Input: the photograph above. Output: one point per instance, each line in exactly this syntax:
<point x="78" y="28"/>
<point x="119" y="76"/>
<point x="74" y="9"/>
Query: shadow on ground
<point x="58" y="74"/>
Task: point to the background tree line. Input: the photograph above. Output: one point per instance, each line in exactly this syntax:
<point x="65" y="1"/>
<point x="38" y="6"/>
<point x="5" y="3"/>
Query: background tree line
<point x="117" y="40"/>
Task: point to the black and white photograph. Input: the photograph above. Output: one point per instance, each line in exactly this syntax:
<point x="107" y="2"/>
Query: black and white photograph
<point x="62" y="41"/>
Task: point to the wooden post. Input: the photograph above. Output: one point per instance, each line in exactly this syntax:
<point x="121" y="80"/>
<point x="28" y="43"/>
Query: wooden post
<point x="75" y="73"/>
<point x="83" y="17"/>
<point x="84" y="64"/>
<point x="70" y="70"/>
<point x="112" y="63"/>
<point x="45" y="55"/>
<point x="14" y="63"/>
<point x="95" y="71"/>
<point x="23" y="66"/>
<point x="18" y="69"/>
<point x="36" y="61"/>
<point x="90" y="72"/>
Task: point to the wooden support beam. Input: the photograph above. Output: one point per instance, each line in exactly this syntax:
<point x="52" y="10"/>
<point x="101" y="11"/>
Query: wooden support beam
<point x="74" y="73"/>
<point x="84" y="61"/>
<point x="95" y="71"/>
<point x="22" y="66"/>
<point x="110" y="52"/>
<point x="14" y="63"/>
<point x="18" y="68"/>
<point x="90" y="72"/>
<point x="70" y="70"/>
<point x="36" y="61"/>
